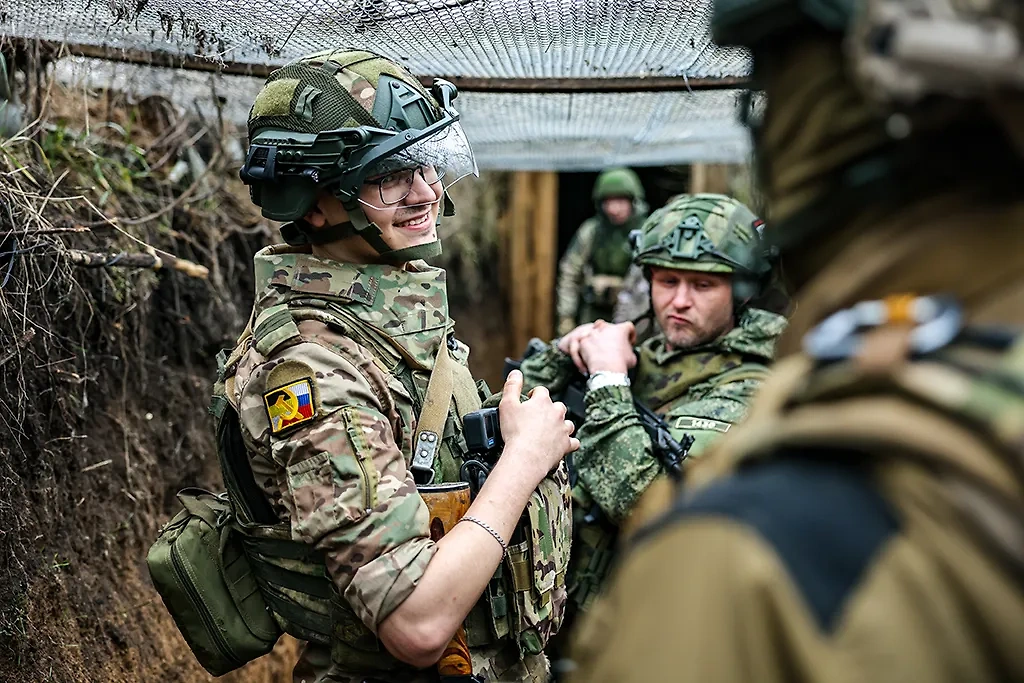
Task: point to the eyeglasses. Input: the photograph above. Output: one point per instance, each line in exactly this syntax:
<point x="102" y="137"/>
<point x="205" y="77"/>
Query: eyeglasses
<point x="396" y="186"/>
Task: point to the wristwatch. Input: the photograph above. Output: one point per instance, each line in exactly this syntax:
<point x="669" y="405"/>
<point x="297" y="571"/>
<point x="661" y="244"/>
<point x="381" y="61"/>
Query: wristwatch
<point x="602" y="378"/>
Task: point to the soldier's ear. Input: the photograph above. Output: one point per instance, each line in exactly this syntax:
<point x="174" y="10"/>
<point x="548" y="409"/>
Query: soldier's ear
<point x="315" y="218"/>
<point x="326" y="212"/>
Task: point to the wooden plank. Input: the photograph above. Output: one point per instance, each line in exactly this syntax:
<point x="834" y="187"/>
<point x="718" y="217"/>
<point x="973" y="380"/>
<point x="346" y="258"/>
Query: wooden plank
<point x="710" y="178"/>
<point x="596" y="84"/>
<point x="545" y="254"/>
<point x="174" y="60"/>
<point x="520" y="297"/>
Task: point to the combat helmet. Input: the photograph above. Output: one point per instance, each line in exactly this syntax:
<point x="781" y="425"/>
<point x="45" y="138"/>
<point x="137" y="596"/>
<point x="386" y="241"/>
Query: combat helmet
<point x="330" y="121"/>
<point x="620" y="182"/>
<point x="707" y="232"/>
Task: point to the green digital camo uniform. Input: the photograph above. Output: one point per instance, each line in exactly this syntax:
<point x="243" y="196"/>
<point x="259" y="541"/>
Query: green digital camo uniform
<point x="700" y="391"/>
<point x="866" y="521"/>
<point x="590" y="274"/>
<point x="328" y="381"/>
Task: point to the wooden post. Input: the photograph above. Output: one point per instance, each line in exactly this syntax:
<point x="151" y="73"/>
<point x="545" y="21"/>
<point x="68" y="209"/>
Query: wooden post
<point x="545" y="255"/>
<point x="532" y="256"/>
<point x="709" y="178"/>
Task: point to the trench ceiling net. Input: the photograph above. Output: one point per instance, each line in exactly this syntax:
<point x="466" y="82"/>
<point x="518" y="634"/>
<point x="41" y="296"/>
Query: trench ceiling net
<point x="501" y="42"/>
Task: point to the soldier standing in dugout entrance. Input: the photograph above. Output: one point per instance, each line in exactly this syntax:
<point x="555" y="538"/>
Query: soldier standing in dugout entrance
<point x="867" y="521"/>
<point x="331" y="380"/>
<point x="592" y="271"/>
<point x="707" y="268"/>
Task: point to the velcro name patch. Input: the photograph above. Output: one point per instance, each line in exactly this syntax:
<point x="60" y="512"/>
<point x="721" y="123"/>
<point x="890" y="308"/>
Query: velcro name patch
<point x="687" y="423"/>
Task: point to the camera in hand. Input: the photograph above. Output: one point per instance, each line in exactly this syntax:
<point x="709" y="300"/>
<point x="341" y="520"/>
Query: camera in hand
<point x="482" y="430"/>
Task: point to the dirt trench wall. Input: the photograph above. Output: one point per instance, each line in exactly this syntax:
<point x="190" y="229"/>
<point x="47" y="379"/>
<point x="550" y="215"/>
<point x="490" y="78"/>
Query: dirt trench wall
<point x="105" y="374"/>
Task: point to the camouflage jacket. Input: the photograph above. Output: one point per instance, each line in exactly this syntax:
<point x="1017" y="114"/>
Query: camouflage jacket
<point x="328" y="424"/>
<point x="597" y="249"/>
<point x="700" y="391"/>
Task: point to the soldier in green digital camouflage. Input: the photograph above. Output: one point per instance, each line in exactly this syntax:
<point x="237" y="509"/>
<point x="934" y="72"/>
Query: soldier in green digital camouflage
<point x="706" y="265"/>
<point x="590" y="274"/>
<point x="330" y="383"/>
<point x="866" y="521"/>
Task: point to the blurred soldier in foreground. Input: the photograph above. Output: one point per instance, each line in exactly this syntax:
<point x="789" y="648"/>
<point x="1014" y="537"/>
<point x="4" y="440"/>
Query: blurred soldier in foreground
<point x="867" y="521"/>
<point x="591" y="272"/>
<point x="706" y="265"/>
<point x="349" y="386"/>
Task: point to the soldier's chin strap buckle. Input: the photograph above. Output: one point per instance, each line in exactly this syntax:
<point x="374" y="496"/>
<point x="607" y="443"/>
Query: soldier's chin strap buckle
<point x="932" y="323"/>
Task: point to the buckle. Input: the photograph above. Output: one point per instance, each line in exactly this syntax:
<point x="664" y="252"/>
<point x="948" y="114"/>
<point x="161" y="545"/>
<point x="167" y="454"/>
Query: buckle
<point x="935" y="321"/>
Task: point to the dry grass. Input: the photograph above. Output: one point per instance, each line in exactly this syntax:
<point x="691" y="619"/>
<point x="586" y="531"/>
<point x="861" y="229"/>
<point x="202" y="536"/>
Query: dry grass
<point x="104" y="372"/>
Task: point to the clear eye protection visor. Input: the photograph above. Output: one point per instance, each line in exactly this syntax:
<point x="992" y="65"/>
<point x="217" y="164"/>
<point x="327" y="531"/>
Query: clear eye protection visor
<point x="419" y="174"/>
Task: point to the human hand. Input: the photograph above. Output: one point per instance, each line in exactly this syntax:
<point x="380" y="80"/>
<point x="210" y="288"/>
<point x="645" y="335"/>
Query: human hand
<point x="535" y="431"/>
<point x="609" y="348"/>
<point x="570" y="343"/>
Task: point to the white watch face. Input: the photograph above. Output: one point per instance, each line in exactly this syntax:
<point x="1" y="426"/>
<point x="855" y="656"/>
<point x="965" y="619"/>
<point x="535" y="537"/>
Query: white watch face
<point x="607" y="379"/>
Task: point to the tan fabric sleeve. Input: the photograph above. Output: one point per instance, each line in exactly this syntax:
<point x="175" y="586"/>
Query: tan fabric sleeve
<point x="704" y="601"/>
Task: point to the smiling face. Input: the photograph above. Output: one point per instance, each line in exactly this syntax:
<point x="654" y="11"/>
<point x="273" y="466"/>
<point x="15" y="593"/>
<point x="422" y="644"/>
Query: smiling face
<point x="410" y="222"/>
<point x="692" y="307"/>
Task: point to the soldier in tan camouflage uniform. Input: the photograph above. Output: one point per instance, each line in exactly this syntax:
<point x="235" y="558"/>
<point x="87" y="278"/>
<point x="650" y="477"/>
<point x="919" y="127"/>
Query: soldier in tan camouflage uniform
<point x="348" y="334"/>
<point x="866" y="522"/>
<point x="703" y="257"/>
<point x="590" y="274"/>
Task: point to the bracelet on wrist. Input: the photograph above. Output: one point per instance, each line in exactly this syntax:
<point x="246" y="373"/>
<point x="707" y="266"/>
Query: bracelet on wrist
<point x="489" y="529"/>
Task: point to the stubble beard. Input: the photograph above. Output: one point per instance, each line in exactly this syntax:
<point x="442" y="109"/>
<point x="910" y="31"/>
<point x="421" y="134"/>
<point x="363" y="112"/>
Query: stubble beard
<point x="689" y="337"/>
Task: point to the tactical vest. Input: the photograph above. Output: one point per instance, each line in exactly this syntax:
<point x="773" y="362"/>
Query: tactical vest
<point x="596" y="541"/>
<point x="293" y="576"/>
<point x="606" y="263"/>
<point x="611" y="253"/>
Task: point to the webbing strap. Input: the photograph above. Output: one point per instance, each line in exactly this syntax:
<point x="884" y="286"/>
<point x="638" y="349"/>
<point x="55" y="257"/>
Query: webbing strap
<point x="744" y="372"/>
<point x="433" y="415"/>
<point x="238" y="477"/>
<point x="302" y="622"/>
<point x="316" y="586"/>
<point x="283" y="549"/>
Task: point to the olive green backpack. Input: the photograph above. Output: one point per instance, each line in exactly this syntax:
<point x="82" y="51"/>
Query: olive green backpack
<point x="201" y="570"/>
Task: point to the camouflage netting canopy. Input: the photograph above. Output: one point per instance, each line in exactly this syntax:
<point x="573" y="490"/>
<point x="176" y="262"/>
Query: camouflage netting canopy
<point x="547" y="84"/>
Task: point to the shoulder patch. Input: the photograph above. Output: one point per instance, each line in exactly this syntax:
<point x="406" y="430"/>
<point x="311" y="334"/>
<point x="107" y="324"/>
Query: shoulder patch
<point x="707" y="424"/>
<point x="292" y="399"/>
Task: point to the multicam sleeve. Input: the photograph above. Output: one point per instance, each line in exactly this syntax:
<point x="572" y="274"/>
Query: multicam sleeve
<point x="615" y="462"/>
<point x="570" y="272"/>
<point x="348" y="491"/>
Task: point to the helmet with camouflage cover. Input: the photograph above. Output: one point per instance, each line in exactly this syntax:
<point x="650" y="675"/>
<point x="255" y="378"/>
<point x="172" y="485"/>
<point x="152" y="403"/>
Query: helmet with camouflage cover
<point x="331" y="120"/>
<point x="706" y="232"/>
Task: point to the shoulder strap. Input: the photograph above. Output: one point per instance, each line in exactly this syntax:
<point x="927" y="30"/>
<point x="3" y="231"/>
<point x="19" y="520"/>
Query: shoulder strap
<point x="744" y="372"/>
<point x="430" y="425"/>
<point x="243" y="491"/>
